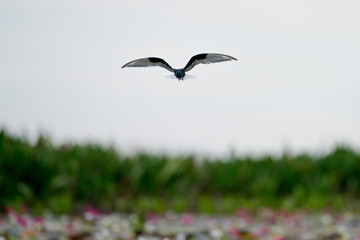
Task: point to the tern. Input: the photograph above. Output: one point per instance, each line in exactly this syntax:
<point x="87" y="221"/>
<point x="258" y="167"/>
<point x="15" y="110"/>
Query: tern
<point x="204" y="58"/>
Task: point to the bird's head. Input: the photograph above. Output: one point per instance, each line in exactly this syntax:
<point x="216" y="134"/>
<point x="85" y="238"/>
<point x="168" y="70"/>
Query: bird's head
<point x="179" y="73"/>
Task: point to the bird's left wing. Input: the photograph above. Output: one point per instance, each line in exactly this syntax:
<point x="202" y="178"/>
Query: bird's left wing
<point x="207" y="58"/>
<point x="149" y="62"/>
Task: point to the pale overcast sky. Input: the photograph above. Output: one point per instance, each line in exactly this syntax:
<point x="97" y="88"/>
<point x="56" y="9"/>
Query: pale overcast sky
<point x="296" y="83"/>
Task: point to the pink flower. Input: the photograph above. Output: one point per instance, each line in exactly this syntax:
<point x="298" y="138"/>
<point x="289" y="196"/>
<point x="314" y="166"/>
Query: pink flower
<point x="21" y="220"/>
<point x="244" y="214"/>
<point x="187" y="219"/>
<point x="235" y="231"/>
<point x="152" y="217"/>
<point x="39" y="221"/>
<point x="70" y="228"/>
<point x="12" y="214"/>
<point x="91" y="213"/>
<point x="263" y="230"/>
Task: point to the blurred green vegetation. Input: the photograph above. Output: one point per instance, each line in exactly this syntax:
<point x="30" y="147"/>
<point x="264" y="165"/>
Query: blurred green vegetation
<point x="65" y="178"/>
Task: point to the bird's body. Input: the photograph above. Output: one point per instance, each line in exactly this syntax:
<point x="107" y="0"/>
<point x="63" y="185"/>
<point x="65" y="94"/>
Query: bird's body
<point x="205" y="58"/>
<point x="179" y="73"/>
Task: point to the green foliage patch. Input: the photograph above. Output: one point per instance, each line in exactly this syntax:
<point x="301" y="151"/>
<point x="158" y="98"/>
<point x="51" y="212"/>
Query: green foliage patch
<point x="64" y="178"/>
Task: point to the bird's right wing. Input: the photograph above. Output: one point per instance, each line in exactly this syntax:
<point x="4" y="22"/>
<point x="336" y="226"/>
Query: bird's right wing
<point x="149" y="62"/>
<point x="207" y="58"/>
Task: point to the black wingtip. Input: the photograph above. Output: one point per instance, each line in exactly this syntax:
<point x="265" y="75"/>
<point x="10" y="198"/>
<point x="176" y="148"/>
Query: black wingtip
<point x="232" y="58"/>
<point x="126" y="64"/>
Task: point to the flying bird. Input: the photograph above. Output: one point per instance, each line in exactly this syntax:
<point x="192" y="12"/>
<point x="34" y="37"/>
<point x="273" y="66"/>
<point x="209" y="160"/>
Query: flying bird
<point x="205" y="58"/>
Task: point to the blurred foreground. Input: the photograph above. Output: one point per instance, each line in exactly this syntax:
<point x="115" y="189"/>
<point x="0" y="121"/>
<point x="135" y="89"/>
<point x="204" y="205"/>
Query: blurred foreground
<point x="63" y="179"/>
<point x="267" y="225"/>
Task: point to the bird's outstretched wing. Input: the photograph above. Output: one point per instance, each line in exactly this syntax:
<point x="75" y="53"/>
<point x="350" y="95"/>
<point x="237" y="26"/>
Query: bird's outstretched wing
<point x="149" y="62"/>
<point x="207" y="58"/>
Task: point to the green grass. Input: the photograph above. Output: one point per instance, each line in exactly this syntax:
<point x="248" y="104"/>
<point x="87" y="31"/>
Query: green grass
<point x="65" y="178"/>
